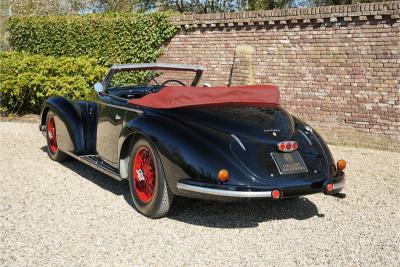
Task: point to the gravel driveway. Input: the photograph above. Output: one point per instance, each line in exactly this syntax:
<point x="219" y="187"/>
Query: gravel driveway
<point x="68" y="214"/>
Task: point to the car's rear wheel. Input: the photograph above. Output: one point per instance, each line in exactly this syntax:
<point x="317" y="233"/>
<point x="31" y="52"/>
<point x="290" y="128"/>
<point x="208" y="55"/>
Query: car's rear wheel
<point x="51" y="136"/>
<point x="149" y="189"/>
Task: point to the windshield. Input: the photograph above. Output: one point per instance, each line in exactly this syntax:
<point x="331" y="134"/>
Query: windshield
<point x="151" y="78"/>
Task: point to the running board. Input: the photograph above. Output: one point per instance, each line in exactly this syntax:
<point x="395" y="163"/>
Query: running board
<point x="96" y="162"/>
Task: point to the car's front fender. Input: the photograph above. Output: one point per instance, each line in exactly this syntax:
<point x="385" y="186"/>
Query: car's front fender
<point x="70" y="135"/>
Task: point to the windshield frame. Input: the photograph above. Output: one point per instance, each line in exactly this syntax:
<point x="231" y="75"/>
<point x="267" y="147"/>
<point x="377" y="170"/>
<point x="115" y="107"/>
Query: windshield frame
<point x="152" y="66"/>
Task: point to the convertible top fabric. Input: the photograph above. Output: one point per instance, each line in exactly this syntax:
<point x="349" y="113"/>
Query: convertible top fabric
<point x="185" y="96"/>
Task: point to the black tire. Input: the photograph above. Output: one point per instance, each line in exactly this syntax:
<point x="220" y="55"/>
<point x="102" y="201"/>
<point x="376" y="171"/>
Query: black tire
<point x="160" y="202"/>
<point x="53" y="151"/>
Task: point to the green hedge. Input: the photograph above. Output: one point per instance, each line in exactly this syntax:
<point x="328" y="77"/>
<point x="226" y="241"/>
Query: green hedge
<point x="63" y="45"/>
<point x="110" y="37"/>
<point x="27" y="80"/>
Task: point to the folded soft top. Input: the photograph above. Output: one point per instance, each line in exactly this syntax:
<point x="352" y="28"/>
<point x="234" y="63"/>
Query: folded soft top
<point x="185" y="96"/>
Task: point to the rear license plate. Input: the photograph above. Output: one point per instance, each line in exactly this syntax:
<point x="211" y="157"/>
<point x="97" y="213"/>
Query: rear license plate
<point x="288" y="163"/>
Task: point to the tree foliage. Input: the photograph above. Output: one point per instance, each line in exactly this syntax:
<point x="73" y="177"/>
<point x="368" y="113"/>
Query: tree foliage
<point x="210" y="6"/>
<point x="315" y="3"/>
<point x="4" y="13"/>
<point x="45" y="7"/>
<point x="56" y="7"/>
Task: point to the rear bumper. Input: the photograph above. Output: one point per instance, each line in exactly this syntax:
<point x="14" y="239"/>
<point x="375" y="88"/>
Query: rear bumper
<point x="231" y="193"/>
<point x="223" y="192"/>
<point x="338" y="183"/>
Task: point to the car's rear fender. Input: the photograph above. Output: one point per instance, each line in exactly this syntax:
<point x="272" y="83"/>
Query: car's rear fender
<point x="184" y="153"/>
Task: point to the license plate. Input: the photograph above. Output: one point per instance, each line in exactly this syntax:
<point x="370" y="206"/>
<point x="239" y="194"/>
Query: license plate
<point x="288" y="163"/>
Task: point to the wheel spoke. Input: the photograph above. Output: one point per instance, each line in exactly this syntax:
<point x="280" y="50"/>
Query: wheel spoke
<point x="51" y="135"/>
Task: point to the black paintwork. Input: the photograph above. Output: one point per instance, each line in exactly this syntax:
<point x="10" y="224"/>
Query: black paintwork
<point x="194" y="143"/>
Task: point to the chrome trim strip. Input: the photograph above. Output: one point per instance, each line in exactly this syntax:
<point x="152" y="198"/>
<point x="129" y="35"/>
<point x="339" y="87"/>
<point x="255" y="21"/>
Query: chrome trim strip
<point x="166" y="66"/>
<point x="223" y="193"/>
<point x="125" y="108"/>
<point x="238" y="141"/>
<point x="152" y="66"/>
<point x="271" y="130"/>
<point x="308" y="139"/>
<point x="98" y="162"/>
<point x="94" y="166"/>
<point x="338" y="185"/>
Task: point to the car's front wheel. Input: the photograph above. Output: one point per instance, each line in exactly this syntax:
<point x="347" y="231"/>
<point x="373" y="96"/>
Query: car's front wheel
<point x="51" y="136"/>
<point x="150" y="193"/>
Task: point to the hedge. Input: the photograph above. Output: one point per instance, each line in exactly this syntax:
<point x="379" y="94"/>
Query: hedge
<point x="27" y="80"/>
<point x="110" y="37"/>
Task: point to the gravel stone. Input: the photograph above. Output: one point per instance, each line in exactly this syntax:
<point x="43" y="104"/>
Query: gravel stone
<point x="68" y="214"/>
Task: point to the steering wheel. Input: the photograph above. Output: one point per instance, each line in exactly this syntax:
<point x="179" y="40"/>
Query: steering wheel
<point x="172" y="81"/>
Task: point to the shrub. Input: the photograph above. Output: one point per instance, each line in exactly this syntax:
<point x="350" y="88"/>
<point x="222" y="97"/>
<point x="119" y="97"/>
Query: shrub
<point x="110" y="37"/>
<point x="26" y="80"/>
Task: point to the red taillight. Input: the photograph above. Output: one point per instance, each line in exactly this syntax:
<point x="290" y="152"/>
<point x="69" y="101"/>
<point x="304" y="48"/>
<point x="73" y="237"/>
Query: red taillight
<point x="288" y="146"/>
<point x="295" y="146"/>
<point x="281" y="146"/>
<point x="329" y="187"/>
<point x="276" y="194"/>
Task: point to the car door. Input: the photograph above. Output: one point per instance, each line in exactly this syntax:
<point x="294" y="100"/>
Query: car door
<point x="112" y="112"/>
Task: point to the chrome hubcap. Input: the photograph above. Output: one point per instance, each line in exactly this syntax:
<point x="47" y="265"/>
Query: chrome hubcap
<point x="140" y="174"/>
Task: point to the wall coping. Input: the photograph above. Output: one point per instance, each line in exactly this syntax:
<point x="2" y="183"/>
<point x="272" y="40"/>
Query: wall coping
<point x="360" y="12"/>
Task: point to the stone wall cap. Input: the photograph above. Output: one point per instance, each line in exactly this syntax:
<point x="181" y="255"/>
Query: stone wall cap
<point x="376" y="11"/>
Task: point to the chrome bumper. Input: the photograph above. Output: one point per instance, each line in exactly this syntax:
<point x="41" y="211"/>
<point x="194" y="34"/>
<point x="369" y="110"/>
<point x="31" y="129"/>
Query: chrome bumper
<point x="338" y="185"/>
<point x="224" y="193"/>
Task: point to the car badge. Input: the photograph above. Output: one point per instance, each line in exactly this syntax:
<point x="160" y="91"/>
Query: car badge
<point x="274" y="131"/>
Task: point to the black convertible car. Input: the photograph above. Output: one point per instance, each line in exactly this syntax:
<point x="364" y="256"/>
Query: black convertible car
<point x="169" y="137"/>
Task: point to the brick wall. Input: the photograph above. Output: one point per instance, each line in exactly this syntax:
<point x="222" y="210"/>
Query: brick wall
<point x="338" y="67"/>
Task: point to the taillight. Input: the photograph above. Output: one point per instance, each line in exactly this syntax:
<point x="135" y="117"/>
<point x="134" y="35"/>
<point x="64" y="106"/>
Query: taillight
<point x="276" y="194"/>
<point x="329" y="187"/>
<point x="288" y="146"/>
<point x="281" y="146"/>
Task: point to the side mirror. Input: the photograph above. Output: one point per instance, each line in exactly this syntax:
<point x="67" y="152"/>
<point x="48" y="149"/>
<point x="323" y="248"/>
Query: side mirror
<point x="98" y="87"/>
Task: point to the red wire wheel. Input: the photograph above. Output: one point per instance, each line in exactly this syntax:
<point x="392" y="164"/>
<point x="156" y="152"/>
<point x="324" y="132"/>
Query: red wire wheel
<point x="51" y="135"/>
<point x="144" y="174"/>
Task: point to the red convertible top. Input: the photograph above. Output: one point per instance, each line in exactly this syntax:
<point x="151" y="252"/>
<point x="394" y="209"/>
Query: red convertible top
<point x="185" y="96"/>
